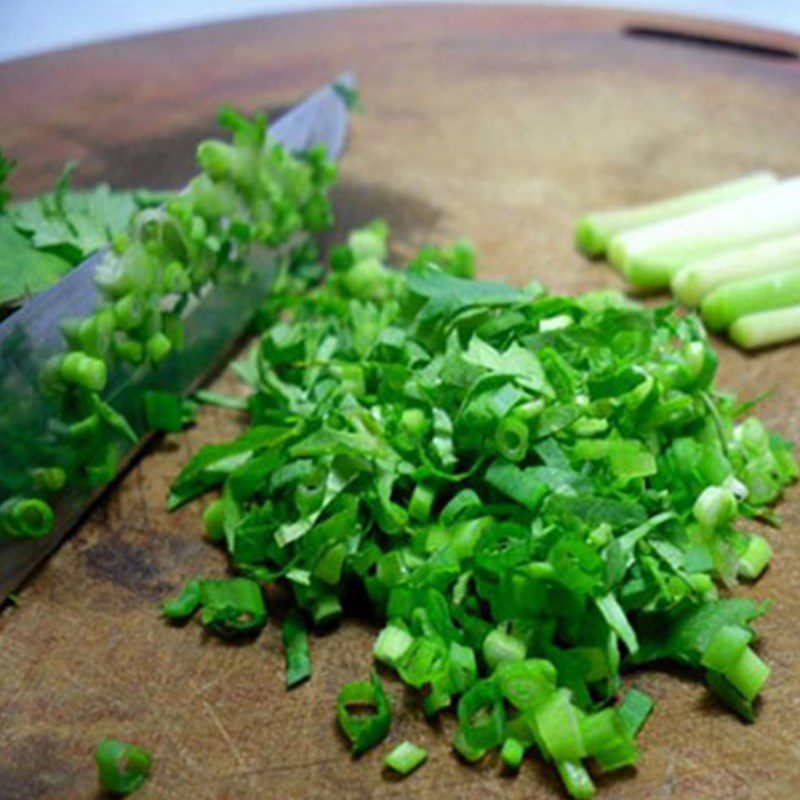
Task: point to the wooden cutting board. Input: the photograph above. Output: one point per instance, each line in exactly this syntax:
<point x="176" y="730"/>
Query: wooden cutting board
<point x="501" y="124"/>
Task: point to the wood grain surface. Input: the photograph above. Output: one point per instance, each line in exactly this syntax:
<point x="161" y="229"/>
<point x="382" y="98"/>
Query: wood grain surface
<point x="501" y="124"/>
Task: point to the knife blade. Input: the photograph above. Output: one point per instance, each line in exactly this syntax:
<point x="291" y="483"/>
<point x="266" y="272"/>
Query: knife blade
<point x="32" y="335"/>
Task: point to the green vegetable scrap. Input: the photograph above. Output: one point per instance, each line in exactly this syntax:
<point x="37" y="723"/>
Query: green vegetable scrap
<point x="122" y="768"/>
<point x="249" y="192"/>
<point x="230" y="608"/>
<point x="364" y="713"/>
<point x="536" y="493"/>
<point x="406" y="757"/>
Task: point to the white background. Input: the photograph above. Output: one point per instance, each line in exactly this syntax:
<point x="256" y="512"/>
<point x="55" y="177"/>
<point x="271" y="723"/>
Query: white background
<point x="28" y="27"/>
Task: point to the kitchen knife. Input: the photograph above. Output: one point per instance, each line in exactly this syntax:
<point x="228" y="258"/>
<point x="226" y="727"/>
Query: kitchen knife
<point x="30" y="336"/>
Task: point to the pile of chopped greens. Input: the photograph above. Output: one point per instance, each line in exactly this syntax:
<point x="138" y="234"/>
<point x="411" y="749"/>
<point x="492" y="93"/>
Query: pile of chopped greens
<point x="43" y="238"/>
<point x="535" y="493"/>
<point x="250" y="192"/>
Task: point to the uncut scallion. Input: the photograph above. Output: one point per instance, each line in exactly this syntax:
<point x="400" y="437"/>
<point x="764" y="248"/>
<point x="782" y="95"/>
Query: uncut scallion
<point x="595" y="230"/>
<point x="694" y="281"/>
<point x="650" y="256"/>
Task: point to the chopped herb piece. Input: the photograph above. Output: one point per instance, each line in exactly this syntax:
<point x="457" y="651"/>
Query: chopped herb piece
<point x="405" y="758"/>
<point x="122" y="768"/>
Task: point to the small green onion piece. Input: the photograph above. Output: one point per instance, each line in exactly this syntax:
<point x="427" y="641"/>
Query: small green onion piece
<point x="729" y="695"/>
<point x="176" y="279"/>
<point x="214" y="520"/>
<point x="83" y="370"/>
<point x="367" y="729"/>
<point x="122" y="768"/>
<point x="233" y="607"/>
<point x="392" y="644"/>
<point x="635" y="709"/>
<point x="755" y="558"/>
<point x="328" y="568"/>
<point x="525" y="683"/>
<point x="326" y="610"/>
<point x="595" y="231"/>
<point x="129" y="312"/>
<point x="576" y="779"/>
<point x="557" y="721"/>
<point x="500" y="646"/>
<point x="219" y="400"/>
<point x="512" y="753"/>
<point x="727" y="303"/>
<point x="423" y="661"/>
<point x="186" y="603"/>
<point x="295" y="645"/>
<point x="607" y="737"/>
<point x="405" y="758"/>
<point x="158" y="347"/>
<point x="715" y="507"/>
<point x="421" y="503"/>
<point x="48" y="479"/>
<point x="22" y="518"/>
<point x="469" y="753"/>
<point x="725" y="648"/>
<point x="85" y="429"/>
<point x="481" y="715"/>
<point x="412" y="427"/>
<point x="728" y="653"/>
<point x="369" y="241"/>
<point x="129" y="350"/>
<point x="163" y="411"/>
<point x="766" y="328"/>
<point x="511" y="438"/>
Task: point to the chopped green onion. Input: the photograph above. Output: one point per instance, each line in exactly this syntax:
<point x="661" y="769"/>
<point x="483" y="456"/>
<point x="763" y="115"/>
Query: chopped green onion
<point x="755" y="558"/>
<point x="208" y="398"/>
<point x="635" y="709"/>
<point x="576" y="779"/>
<point x="22" y="518"/>
<point x="481" y="716"/>
<point x="500" y="646"/>
<point x="48" y="479"/>
<point x="214" y="520"/>
<point x="405" y="758"/>
<point x="469" y="753"/>
<point x="728" y="654"/>
<point x="595" y="231"/>
<point x="369" y="728"/>
<point x="295" y="645"/>
<point x="83" y="370"/>
<point x="511" y="438"/>
<point x="558" y="723"/>
<point x="326" y="611"/>
<point x="233" y="607"/>
<point x="525" y="683"/>
<point x="512" y="753"/>
<point x="122" y="768"/>
<point x="187" y="602"/>
<point x="715" y="507"/>
<point x="392" y="644"/>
